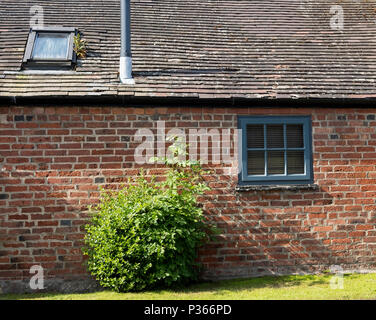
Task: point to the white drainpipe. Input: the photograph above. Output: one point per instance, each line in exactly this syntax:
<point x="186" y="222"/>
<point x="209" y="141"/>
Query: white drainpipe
<point x="126" y="53"/>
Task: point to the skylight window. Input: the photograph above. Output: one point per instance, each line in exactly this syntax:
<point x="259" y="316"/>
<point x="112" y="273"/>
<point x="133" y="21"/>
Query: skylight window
<point x="50" y="48"/>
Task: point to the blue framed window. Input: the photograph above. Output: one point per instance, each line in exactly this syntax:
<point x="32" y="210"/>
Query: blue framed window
<point x="275" y="150"/>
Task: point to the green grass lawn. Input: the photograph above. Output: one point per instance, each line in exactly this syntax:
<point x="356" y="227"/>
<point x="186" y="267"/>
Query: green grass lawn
<point x="356" y="286"/>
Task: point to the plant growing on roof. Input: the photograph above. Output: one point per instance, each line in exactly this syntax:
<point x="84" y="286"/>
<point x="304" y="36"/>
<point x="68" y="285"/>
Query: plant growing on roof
<point x="80" y="46"/>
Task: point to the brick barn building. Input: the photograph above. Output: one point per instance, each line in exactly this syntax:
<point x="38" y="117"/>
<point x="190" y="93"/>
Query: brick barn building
<point x="300" y="192"/>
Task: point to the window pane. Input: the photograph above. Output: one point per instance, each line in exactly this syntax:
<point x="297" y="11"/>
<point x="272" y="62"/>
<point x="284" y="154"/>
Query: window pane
<point x="51" y="46"/>
<point x="255" y="136"/>
<point x="275" y="136"/>
<point x="276" y="162"/>
<point x="294" y="134"/>
<point x="256" y="162"/>
<point x="295" y="162"/>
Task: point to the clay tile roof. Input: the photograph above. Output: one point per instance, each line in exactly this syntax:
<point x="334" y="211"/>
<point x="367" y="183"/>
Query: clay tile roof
<point x="208" y="49"/>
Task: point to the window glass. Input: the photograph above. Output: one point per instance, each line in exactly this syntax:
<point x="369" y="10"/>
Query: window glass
<point x="294" y="134"/>
<point x="256" y="162"/>
<point x="295" y="162"/>
<point x="255" y="136"/>
<point x="276" y="162"/>
<point x="275" y="136"/>
<point x="51" y="46"/>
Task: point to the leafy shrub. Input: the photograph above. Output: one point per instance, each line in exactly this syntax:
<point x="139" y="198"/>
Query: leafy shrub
<point x="147" y="234"/>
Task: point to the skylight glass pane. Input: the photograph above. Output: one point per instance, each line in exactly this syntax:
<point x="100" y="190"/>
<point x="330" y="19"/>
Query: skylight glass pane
<point x="51" y="46"/>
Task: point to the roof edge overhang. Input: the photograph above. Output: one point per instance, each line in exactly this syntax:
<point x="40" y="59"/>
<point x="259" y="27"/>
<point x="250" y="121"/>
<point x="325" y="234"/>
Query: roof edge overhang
<point x="187" y="102"/>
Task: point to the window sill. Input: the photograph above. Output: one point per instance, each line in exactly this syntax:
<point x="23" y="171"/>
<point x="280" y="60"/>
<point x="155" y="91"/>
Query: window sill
<point x="244" y="188"/>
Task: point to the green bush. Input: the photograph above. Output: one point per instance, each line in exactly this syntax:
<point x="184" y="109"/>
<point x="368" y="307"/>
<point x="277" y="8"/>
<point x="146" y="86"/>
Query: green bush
<point x="147" y="234"/>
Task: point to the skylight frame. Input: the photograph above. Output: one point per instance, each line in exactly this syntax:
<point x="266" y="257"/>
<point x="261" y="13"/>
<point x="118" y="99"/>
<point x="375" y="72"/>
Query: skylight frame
<point x="57" y="63"/>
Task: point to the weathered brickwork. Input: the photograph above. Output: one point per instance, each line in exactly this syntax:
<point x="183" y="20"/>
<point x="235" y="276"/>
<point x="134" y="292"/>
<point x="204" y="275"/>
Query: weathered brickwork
<point x="54" y="159"/>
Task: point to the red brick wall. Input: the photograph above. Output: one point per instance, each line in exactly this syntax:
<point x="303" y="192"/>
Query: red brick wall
<point x="52" y="161"/>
